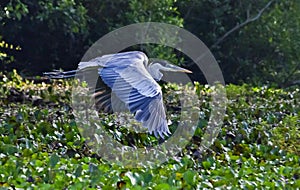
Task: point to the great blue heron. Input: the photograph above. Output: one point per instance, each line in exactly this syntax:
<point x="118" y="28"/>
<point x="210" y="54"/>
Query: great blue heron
<point x="132" y="79"/>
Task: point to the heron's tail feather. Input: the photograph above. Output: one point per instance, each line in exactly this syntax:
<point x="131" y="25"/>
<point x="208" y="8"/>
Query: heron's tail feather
<point x="57" y="74"/>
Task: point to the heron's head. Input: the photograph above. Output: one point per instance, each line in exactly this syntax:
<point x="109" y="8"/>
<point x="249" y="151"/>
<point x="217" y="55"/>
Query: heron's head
<point x="156" y="66"/>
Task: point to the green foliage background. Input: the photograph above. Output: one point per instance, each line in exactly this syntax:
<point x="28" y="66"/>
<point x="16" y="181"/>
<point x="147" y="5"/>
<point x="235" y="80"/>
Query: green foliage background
<point x="55" y="34"/>
<point x="258" y="146"/>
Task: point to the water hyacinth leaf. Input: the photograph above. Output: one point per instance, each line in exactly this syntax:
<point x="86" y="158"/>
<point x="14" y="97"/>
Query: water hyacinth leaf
<point x="190" y="177"/>
<point x="54" y="159"/>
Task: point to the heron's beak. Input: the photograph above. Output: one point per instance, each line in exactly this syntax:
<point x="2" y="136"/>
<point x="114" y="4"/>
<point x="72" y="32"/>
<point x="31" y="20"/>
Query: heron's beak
<point x="174" y="68"/>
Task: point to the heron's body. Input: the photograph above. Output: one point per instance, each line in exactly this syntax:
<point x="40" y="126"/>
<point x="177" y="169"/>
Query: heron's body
<point x="131" y="79"/>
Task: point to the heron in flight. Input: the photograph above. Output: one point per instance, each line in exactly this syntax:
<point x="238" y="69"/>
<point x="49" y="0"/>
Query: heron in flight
<point x="130" y="78"/>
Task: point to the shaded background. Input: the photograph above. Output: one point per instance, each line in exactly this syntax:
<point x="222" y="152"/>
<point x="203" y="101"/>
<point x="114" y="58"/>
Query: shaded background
<point x="253" y="41"/>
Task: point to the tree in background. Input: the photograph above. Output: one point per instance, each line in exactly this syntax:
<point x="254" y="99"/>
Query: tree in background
<point x="254" y="41"/>
<point x="49" y="32"/>
<point x="55" y="34"/>
<point x="151" y="11"/>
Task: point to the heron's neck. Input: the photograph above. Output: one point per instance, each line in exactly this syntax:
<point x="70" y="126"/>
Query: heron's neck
<point x="154" y="70"/>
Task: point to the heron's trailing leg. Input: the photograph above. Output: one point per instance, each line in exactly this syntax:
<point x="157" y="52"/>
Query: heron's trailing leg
<point x="57" y="74"/>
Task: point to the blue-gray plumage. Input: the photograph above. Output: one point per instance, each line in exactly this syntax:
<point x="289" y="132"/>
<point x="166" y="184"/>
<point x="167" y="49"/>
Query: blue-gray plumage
<point x="130" y="79"/>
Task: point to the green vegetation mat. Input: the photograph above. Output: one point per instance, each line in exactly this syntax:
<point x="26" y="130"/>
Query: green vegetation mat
<point x="258" y="146"/>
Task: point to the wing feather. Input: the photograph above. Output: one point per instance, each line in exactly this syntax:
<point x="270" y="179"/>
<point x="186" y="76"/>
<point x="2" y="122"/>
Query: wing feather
<point x="128" y="78"/>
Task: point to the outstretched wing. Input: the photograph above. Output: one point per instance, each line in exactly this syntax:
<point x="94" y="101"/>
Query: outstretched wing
<point x="128" y="79"/>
